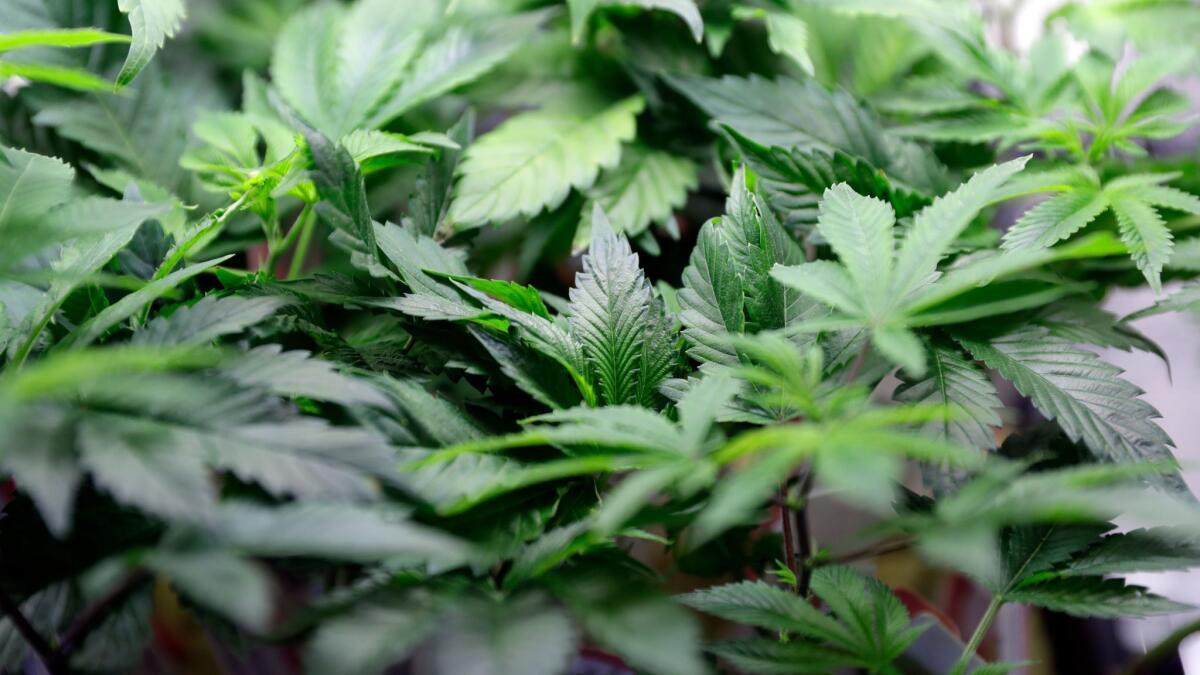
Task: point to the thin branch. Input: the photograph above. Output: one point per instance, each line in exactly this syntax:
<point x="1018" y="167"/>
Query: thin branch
<point x="872" y="551"/>
<point x="94" y="614"/>
<point x="856" y="366"/>
<point x="789" y="546"/>
<point x="803" y="535"/>
<point x="32" y="637"/>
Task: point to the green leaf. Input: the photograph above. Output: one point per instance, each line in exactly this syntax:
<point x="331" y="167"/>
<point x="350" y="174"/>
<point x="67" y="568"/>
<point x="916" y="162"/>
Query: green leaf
<point x="1143" y="550"/>
<point x="1094" y="597"/>
<point x="786" y="34"/>
<point x="712" y="299"/>
<point x="370" y="638"/>
<point x="1082" y="393"/>
<point x="859" y="229"/>
<point x="47" y="470"/>
<point x="339" y="183"/>
<point x="759" y="604"/>
<point x="429" y="206"/>
<point x="792" y="178"/>
<point x="45" y="610"/>
<point x="144" y="129"/>
<point x="936" y="227"/>
<point x="132" y="465"/>
<point x="354" y="533"/>
<point x="581" y="11"/>
<point x="771" y="657"/>
<point x="647" y="629"/>
<point x="1185" y="299"/>
<point x="210" y="318"/>
<point x="305" y="457"/>
<point x="877" y="622"/>
<point x="611" y="307"/>
<point x="1055" y="219"/>
<point x="1146" y="235"/>
<point x="58" y="37"/>
<point x="531" y="161"/>
<point x="360" y="67"/>
<point x="646" y="188"/>
<point x="460" y="55"/>
<point x="804" y="115"/>
<point x="224" y="583"/>
<point x="522" y="636"/>
<point x="71" y="78"/>
<point x="295" y="373"/>
<point x="127" y="306"/>
<point x="956" y="382"/>
<point x="152" y="21"/>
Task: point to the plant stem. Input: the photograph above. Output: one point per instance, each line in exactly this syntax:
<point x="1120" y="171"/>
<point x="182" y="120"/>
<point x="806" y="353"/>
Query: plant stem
<point x="803" y="536"/>
<point x="856" y="366"/>
<point x="872" y="551"/>
<point x="1145" y="665"/>
<point x="789" y="546"/>
<point x="94" y="614"/>
<point x="306" y="223"/>
<point x="45" y="652"/>
<point x="980" y="631"/>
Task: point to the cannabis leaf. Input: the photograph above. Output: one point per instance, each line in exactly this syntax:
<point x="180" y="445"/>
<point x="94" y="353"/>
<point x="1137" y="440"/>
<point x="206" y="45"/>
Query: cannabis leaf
<point x="581" y="11"/>
<point x="359" y="67"/>
<point x="727" y="285"/>
<point x="152" y="22"/>
<point x="614" y="315"/>
<point x="888" y="288"/>
<point x="535" y="158"/>
<point x="869" y="627"/>
<point x="646" y="188"/>
<point x="1081" y="392"/>
<point x="63" y="76"/>
<point x="1134" y="200"/>
<point x="805" y="115"/>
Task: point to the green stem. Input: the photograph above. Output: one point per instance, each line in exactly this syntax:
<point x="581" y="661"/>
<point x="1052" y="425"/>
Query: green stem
<point x="306" y="223"/>
<point x="980" y="631"/>
<point x="1162" y="650"/>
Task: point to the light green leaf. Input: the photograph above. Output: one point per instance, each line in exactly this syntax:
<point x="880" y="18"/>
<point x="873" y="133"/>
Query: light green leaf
<point x="370" y="638"/>
<point x="534" y="159"/>
<point x="57" y="37"/>
<point x="152" y="21"/>
<point x="581" y="11"/>
<point x="1145" y="234"/>
<point x="936" y="227"/>
<point x="859" y="229"/>
<point x="646" y="188"/>
<point x="772" y="657"/>
<point x="1055" y="219"/>
<point x="644" y="627"/>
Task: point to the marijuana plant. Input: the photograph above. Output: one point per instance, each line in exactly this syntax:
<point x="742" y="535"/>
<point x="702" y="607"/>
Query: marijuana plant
<point x="499" y="336"/>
